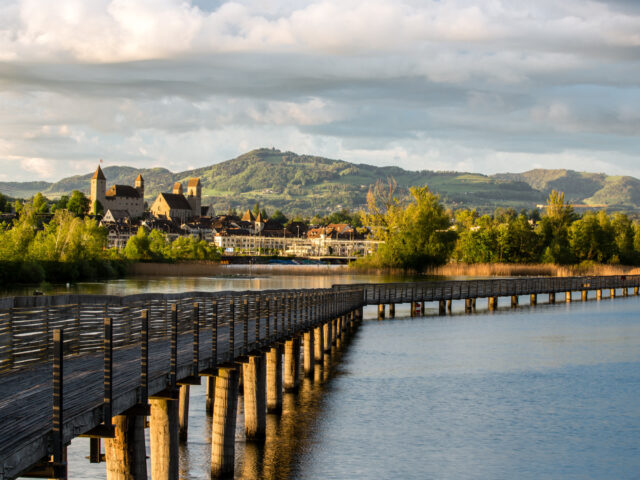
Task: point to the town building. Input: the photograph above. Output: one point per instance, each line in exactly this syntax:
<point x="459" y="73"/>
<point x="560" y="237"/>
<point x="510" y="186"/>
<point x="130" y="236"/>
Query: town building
<point x="176" y="206"/>
<point x="118" y="197"/>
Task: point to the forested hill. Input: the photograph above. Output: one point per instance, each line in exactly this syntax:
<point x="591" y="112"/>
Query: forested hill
<point x="315" y="185"/>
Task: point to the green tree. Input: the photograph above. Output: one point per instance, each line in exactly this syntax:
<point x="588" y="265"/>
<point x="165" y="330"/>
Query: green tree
<point x="137" y="247"/>
<point x="78" y="203"/>
<point x="40" y="203"/>
<point x="4" y="203"/>
<point x="278" y="216"/>
<point x="97" y="208"/>
<point x="416" y="234"/>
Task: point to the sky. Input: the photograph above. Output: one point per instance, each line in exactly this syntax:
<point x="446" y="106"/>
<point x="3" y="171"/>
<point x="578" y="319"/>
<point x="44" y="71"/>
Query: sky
<point x="484" y="86"/>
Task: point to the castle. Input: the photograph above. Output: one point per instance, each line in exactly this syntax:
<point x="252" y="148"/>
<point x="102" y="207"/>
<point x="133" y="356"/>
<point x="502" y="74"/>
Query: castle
<point x="176" y="206"/>
<point x="118" y="197"/>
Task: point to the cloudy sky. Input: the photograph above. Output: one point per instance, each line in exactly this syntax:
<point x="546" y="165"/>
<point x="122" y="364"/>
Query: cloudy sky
<point x="485" y="86"/>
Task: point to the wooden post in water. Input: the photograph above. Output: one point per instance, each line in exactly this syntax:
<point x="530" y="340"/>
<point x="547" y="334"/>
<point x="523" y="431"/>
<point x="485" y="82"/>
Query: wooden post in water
<point x="413" y="309"/>
<point x="533" y="299"/>
<point x="625" y="291"/>
<point x="613" y="293"/>
<point x="392" y="310"/>
<point x="567" y="297"/>
<point x="292" y="364"/>
<point x="636" y="290"/>
<point x="473" y="304"/>
<point x="552" y="297"/>
<point x="422" y="309"/>
<point x="599" y="294"/>
<point x="441" y="307"/>
<point x="585" y="295"/>
<point x="254" y="373"/>
<point x="493" y="303"/>
<point x="514" y="301"/>
<point x="449" y="304"/>
<point x="467" y="305"/>
<point x="381" y="311"/>
<point x="125" y="454"/>
<point x="223" y="430"/>
<point x="326" y="335"/>
<point x="163" y="435"/>
<point x="309" y="353"/>
<point x="183" y="412"/>
<point x="274" y="379"/>
<point x="211" y="392"/>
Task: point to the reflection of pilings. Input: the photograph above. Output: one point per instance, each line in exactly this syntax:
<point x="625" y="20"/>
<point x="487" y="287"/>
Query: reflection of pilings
<point x="211" y="393"/>
<point x="183" y="413"/>
<point x="224" y="423"/>
<point x="254" y="373"/>
<point x="163" y="435"/>
<point x="125" y="454"/>
<point x="291" y="364"/>
<point x="308" y="354"/>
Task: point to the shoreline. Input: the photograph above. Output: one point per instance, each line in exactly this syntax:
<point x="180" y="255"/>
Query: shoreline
<point x="196" y="269"/>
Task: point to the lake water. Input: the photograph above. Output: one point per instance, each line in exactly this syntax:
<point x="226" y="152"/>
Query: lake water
<point x="527" y="393"/>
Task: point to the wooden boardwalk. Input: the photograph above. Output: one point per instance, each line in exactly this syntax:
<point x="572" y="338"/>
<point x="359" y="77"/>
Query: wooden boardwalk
<point x="201" y="330"/>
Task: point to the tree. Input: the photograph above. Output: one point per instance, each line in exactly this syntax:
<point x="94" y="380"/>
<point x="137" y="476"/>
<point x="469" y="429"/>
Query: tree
<point x="97" y="208"/>
<point x="137" y="247"/>
<point x="4" y="202"/>
<point x="40" y="203"/>
<point x="78" y="204"/>
<point x="278" y="216"/>
<point x="416" y="234"/>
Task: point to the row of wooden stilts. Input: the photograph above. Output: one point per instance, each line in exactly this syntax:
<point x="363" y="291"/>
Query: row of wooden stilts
<point x="444" y="306"/>
<point x="264" y="375"/>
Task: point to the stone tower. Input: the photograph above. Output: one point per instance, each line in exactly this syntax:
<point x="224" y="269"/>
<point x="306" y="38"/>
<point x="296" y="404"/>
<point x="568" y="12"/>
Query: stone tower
<point x="98" y="188"/>
<point x="177" y="188"/>
<point x="139" y="185"/>
<point x="194" y="195"/>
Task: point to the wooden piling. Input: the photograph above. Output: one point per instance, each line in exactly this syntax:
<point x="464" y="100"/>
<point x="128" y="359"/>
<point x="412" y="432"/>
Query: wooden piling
<point x="567" y="297"/>
<point x="125" y="454"/>
<point x="449" y="305"/>
<point x="254" y="373"/>
<point x="326" y="335"/>
<point x="514" y="301"/>
<point x="392" y="310"/>
<point x="552" y="297"/>
<point x="599" y="294"/>
<point x="585" y="295"/>
<point x="183" y="413"/>
<point x="533" y="299"/>
<point x="274" y="379"/>
<point x="467" y="305"/>
<point x="625" y="292"/>
<point x="163" y="436"/>
<point x="612" y="293"/>
<point x="381" y="311"/>
<point x="292" y="364"/>
<point x="309" y="353"/>
<point x="223" y="430"/>
<point x="422" y="309"/>
<point x="211" y="393"/>
<point x="493" y="303"/>
<point x="441" y="307"/>
<point x="318" y="344"/>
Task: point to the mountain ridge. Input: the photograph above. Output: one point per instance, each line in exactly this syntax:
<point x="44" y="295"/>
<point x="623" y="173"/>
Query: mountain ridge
<point x="309" y="185"/>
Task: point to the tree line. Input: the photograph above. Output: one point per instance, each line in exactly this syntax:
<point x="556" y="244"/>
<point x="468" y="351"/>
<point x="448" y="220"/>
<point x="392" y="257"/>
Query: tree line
<point x="420" y="233"/>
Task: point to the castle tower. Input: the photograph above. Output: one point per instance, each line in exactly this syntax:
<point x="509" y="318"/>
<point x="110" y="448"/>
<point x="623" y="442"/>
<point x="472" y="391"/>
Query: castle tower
<point x="177" y="188"/>
<point x="140" y="185"/>
<point x="98" y="188"/>
<point x="194" y="196"/>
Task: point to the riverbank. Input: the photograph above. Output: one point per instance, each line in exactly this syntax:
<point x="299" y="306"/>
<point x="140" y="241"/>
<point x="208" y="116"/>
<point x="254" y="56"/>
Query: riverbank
<point x="196" y="269"/>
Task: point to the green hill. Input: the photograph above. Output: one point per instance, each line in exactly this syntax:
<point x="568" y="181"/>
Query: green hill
<point x="315" y="185"/>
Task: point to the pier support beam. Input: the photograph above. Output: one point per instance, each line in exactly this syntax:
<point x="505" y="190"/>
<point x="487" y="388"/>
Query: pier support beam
<point x="183" y="413"/>
<point x="625" y="291"/>
<point x="422" y="309"/>
<point x="392" y="310"/>
<point x="514" y="301"/>
<point x="467" y="305"/>
<point x="223" y="431"/>
<point x="274" y="379"/>
<point x="533" y="299"/>
<point x="636" y="290"/>
<point x="381" y="311"/>
<point x="163" y="436"/>
<point x="254" y="374"/>
<point x="125" y="453"/>
<point x="318" y="344"/>
<point x="493" y="303"/>
<point x="567" y="297"/>
<point x="613" y="293"/>
<point x="449" y="303"/>
<point x="585" y="295"/>
<point x="326" y="335"/>
<point x="552" y="297"/>
<point x="211" y="393"/>
<point x="441" y="307"/>
<point x="292" y="364"/>
<point x="309" y="353"/>
<point x="599" y="294"/>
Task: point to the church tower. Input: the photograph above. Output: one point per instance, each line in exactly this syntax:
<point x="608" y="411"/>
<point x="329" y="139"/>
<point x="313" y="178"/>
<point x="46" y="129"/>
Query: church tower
<point x="98" y="188"/>
<point x="140" y="185"/>
<point x="177" y="188"/>
<point x="194" y="196"/>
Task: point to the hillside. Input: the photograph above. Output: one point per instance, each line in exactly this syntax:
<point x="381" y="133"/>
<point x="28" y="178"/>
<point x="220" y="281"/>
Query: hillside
<point x="314" y="185"/>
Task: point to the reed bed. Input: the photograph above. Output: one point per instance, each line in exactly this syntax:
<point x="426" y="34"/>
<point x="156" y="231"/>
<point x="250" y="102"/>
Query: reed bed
<point x="529" y="270"/>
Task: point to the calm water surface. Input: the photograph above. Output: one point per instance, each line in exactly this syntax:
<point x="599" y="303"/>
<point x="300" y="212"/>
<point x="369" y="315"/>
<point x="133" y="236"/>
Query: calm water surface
<point x="530" y="393"/>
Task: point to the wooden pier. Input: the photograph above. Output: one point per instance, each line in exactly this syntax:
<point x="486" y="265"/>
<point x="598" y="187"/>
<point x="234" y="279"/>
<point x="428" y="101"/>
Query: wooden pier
<point x="96" y="365"/>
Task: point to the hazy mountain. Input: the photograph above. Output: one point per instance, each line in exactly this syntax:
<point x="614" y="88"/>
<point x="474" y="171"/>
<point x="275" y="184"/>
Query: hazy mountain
<point x="309" y="184"/>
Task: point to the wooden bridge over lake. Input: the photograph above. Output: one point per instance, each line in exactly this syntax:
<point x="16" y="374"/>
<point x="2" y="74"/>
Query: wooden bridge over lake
<point x="98" y="366"/>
